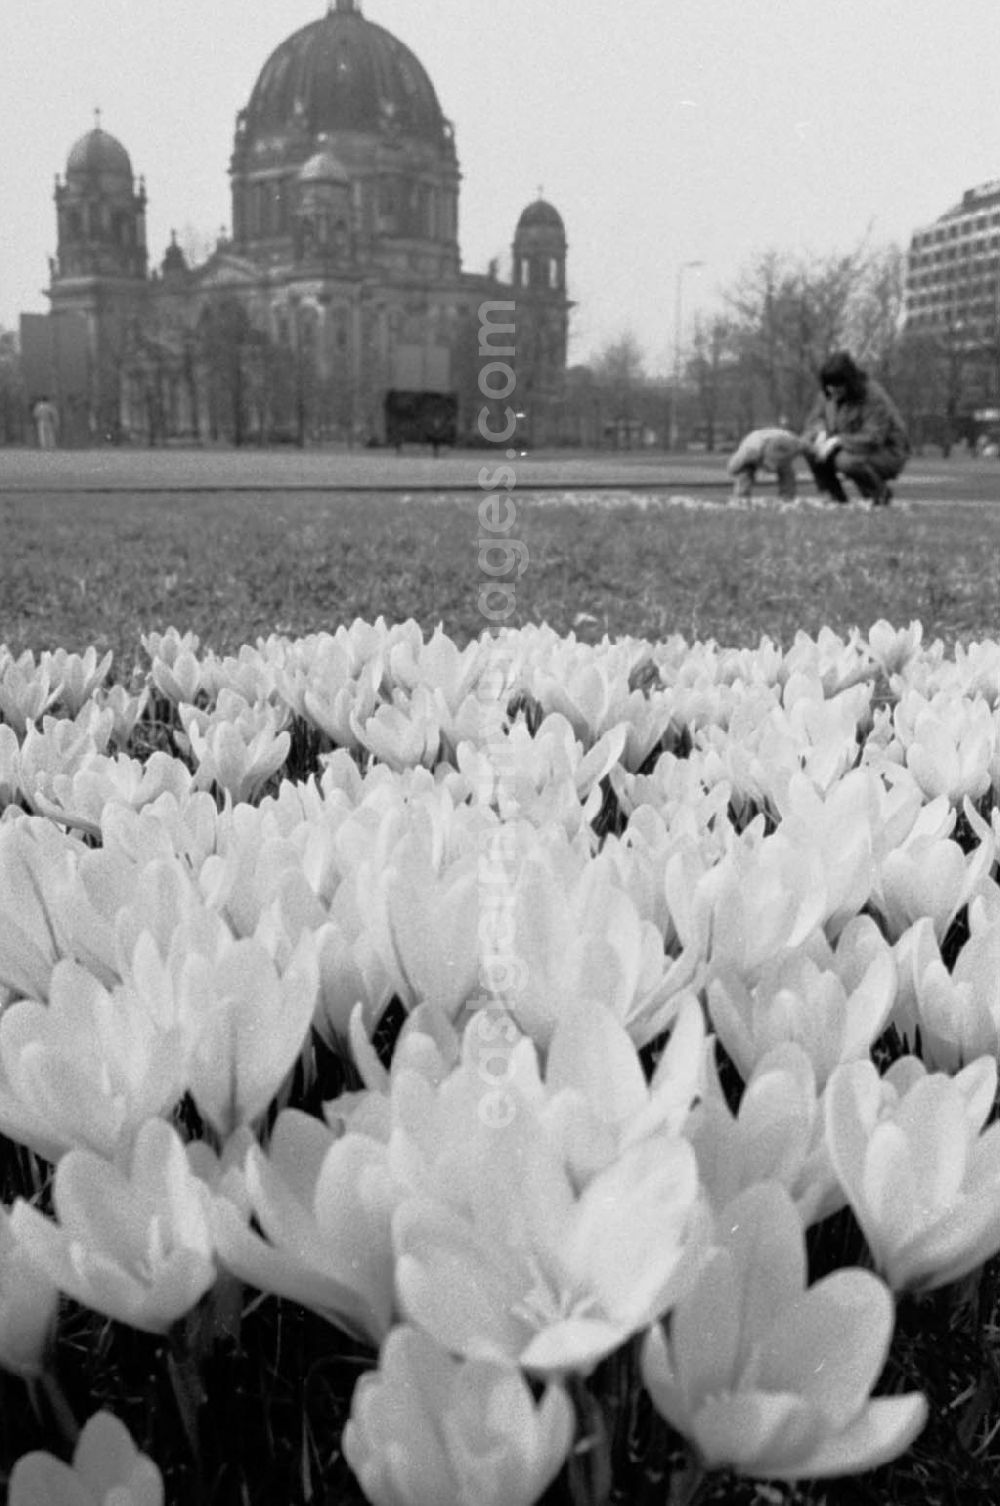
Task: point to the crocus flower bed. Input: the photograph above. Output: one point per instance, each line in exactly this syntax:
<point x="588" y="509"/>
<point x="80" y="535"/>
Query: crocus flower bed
<point x="531" y="1071"/>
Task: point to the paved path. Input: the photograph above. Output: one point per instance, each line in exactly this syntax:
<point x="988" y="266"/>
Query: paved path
<point x="214" y="470"/>
<point x="317" y="470"/>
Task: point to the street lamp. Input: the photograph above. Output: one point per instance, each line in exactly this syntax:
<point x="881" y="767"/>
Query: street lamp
<point x="685" y="266"/>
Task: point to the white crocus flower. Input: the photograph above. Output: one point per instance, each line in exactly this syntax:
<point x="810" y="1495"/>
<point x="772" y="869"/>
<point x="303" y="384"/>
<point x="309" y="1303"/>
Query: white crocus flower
<point x="439" y="664"/>
<point x="126" y="708"/>
<point x="840" y="824"/>
<point x="238" y="747"/>
<point x="427" y="1428"/>
<point x="598" y="1100"/>
<point x="26" y="691"/>
<point x="564" y="928"/>
<point x="917" y="1167"/>
<point x="542" y="778"/>
<point x="776" y="1135"/>
<point x="87" y="1068"/>
<point x="246" y="1023"/>
<point x="131" y="1242"/>
<point x="833" y="1003"/>
<point x="929" y="874"/>
<point x="402" y="733"/>
<point x="772" y="1379"/>
<point x="952" y="749"/>
<point x="892" y="648"/>
<point x="85" y="795"/>
<point x="29" y="1302"/>
<point x="957" y="1011"/>
<point x="766" y="896"/>
<point x="425" y="926"/>
<point x="75" y="676"/>
<point x="510" y="1262"/>
<point x="107" y="1470"/>
<point x="323" y="1206"/>
<point x="176" y="670"/>
<point x="835" y="663"/>
<point x="36" y="862"/>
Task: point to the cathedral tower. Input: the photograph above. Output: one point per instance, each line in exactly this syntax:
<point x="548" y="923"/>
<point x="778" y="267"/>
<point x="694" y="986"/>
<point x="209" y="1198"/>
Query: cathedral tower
<point x="98" y="277"/>
<point x="101" y="219"/>
<point x="541" y="316"/>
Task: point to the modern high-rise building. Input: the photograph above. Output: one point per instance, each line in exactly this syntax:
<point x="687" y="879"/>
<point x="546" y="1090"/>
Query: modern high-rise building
<point x="953" y="268"/>
<point x="339" y="280"/>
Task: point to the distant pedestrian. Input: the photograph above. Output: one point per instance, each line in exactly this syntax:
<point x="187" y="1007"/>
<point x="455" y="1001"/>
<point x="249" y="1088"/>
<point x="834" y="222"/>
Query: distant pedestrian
<point x="770" y="450"/>
<point x="46" y="423"/>
<point x="854" y="431"/>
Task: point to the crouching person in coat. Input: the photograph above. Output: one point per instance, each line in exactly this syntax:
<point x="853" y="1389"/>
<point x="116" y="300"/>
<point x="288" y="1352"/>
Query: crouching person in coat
<point x="854" y="431"/>
<point x="769" y="450"/>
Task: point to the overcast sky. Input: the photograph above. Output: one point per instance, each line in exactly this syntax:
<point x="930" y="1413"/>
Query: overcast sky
<point x="665" y="131"/>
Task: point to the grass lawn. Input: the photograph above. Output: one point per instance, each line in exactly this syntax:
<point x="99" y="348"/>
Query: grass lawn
<point x="90" y="567"/>
<point x="80" y="569"/>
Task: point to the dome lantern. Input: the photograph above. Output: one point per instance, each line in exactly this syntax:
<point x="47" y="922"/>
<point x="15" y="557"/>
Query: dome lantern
<point x="541" y="215"/>
<point x="539" y="249"/>
<point x="99" y="154"/>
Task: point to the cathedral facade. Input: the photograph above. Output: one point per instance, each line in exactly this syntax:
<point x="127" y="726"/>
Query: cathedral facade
<point x="341" y="277"/>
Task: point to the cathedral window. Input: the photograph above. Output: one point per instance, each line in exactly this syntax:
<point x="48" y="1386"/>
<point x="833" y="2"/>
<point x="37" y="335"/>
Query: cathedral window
<point x="387" y="204"/>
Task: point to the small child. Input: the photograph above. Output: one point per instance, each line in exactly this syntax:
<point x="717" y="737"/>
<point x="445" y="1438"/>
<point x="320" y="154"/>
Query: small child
<point x="770" y="449"/>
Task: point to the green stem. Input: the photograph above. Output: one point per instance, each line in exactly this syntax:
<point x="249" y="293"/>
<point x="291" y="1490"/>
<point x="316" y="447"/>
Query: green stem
<point x="58" y="1405"/>
<point x="589" y="1466"/>
<point x="688" y="1485"/>
<point x="186" y="1384"/>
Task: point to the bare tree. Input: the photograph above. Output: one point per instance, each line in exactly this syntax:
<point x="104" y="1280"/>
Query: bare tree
<point x="706" y="370"/>
<point x="619" y="371"/>
<point x="786" y="315"/>
<point x="226" y="339"/>
<point x="758" y="361"/>
<point x="874" y="323"/>
<point x="13" y="398"/>
<point x="956" y="351"/>
<point x="918" y="386"/>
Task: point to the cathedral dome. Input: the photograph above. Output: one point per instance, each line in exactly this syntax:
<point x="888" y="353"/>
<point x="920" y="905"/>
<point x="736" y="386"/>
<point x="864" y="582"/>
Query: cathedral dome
<point x="343" y="73"/>
<point x="541" y="215"/>
<point x="98" y="152"/>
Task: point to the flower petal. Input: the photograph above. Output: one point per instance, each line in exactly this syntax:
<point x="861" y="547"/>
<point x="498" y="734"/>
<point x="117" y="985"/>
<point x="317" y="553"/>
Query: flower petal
<point x="886" y="1429"/>
<point x="829" y="1347"/>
